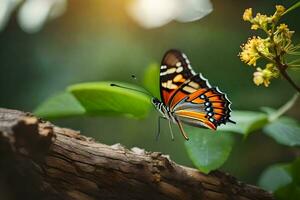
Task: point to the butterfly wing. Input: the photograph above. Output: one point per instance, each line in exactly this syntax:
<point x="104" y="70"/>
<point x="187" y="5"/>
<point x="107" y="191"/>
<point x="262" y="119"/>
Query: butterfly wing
<point x="198" y="104"/>
<point x="189" y="95"/>
<point x="175" y="70"/>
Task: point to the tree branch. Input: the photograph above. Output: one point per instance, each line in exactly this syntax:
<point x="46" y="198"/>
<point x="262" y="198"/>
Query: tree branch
<point x="43" y="161"/>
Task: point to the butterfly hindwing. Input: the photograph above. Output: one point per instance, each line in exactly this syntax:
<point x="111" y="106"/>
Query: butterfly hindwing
<point x="207" y="107"/>
<point x="175" y="70"/>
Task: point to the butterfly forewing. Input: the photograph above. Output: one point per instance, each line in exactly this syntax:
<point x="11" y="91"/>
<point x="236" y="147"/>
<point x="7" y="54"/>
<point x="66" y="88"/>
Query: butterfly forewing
<point x="175" y="70"/>
<point x="189" y="87"/>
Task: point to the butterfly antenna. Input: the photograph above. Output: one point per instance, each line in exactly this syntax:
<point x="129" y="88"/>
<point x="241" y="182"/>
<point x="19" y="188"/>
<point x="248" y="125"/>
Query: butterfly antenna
<point x="128" y="88"/>
<point x="158" y="128"/>
<point x="134" y="77"/>
<point x="229" y="120"/>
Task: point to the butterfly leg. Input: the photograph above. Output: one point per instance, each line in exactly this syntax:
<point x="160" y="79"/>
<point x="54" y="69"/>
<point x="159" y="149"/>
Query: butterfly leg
<point x="171" y="131"/>
<point x="182" y="131"/>
<point x="158" y="128"/>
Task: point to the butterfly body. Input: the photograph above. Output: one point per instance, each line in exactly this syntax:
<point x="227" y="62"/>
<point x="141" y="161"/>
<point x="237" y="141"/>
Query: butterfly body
<point x="187" y="97"/>
<point x="164" y="110"/>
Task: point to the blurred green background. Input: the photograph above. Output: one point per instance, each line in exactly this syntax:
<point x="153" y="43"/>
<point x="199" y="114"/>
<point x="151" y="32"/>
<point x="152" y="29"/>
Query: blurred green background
<point x="97" y="41"/>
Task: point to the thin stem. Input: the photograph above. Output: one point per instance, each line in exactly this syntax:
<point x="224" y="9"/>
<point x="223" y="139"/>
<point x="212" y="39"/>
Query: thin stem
<point x="283" y="109"/>
<point x="296" y="5"/>
<point x="282" y="70"/>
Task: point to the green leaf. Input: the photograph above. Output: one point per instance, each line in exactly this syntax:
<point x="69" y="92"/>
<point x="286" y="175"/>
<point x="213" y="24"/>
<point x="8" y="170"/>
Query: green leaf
<point x="100" y="98"/>
<point x="151" y="79"/>
<point x="283" y="180"/>
<point x="293" y="7"/>
<point x="284" y="130"/>
<point x="275" y="177"/>
<point x="208" y="149"/>
<point x="61" y="105"/>
<point x="246" y="122"/>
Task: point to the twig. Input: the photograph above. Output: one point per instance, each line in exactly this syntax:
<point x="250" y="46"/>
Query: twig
<point x="283" y="109"/>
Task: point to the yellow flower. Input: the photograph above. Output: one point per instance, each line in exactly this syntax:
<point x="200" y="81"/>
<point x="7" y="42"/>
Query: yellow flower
<point x="278" y="14"/>
<point x="253" y="49"/>
<point x="254" y="27"/>
<point x="262" y="77"/>
<point x="279" y="10"/>
<point x="283" y="28"/>
<point x="273" y="69"/>
<point x="283" y="35"/>
<point x="261" y="21"/>
<point x="258" y="78"/>
<point x="247" y="16"/>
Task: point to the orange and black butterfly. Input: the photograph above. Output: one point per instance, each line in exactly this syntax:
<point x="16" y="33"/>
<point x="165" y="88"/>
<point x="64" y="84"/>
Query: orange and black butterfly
<point x="187" y="97"/>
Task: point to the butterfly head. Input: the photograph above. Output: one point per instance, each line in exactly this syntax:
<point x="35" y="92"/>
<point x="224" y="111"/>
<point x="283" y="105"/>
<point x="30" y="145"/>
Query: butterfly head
<point x="159" y="105"/>
<point x="156" y="102"/>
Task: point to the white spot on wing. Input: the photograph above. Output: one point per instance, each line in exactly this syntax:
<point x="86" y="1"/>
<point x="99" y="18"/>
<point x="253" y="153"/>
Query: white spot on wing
<point x="170" y="85"/>
<point x="189" y="89"/>
<point x="179" y="69"/>
<point x="169" y="71"/>
<point x="194" y="84"/>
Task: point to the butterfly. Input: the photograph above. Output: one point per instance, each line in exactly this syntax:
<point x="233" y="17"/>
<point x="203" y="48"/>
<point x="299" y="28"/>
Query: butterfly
<point x="187" y="97"/>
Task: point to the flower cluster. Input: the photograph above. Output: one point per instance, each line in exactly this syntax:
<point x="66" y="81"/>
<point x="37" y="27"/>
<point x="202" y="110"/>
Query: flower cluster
<point x="273" y="48"/>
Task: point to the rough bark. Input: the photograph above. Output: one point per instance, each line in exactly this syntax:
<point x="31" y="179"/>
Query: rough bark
<point x="42" y="161"/>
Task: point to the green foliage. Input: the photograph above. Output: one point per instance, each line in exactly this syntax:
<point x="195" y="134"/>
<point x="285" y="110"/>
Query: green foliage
<point x="208" y="149"/>
<point x="246" y="122"/>
<point x="283" y="180"/>
<point x="275" y="177"/>
<point x="100" y="98"/>
<point x="61" y="105"/>
<point x="284" y="130"/>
